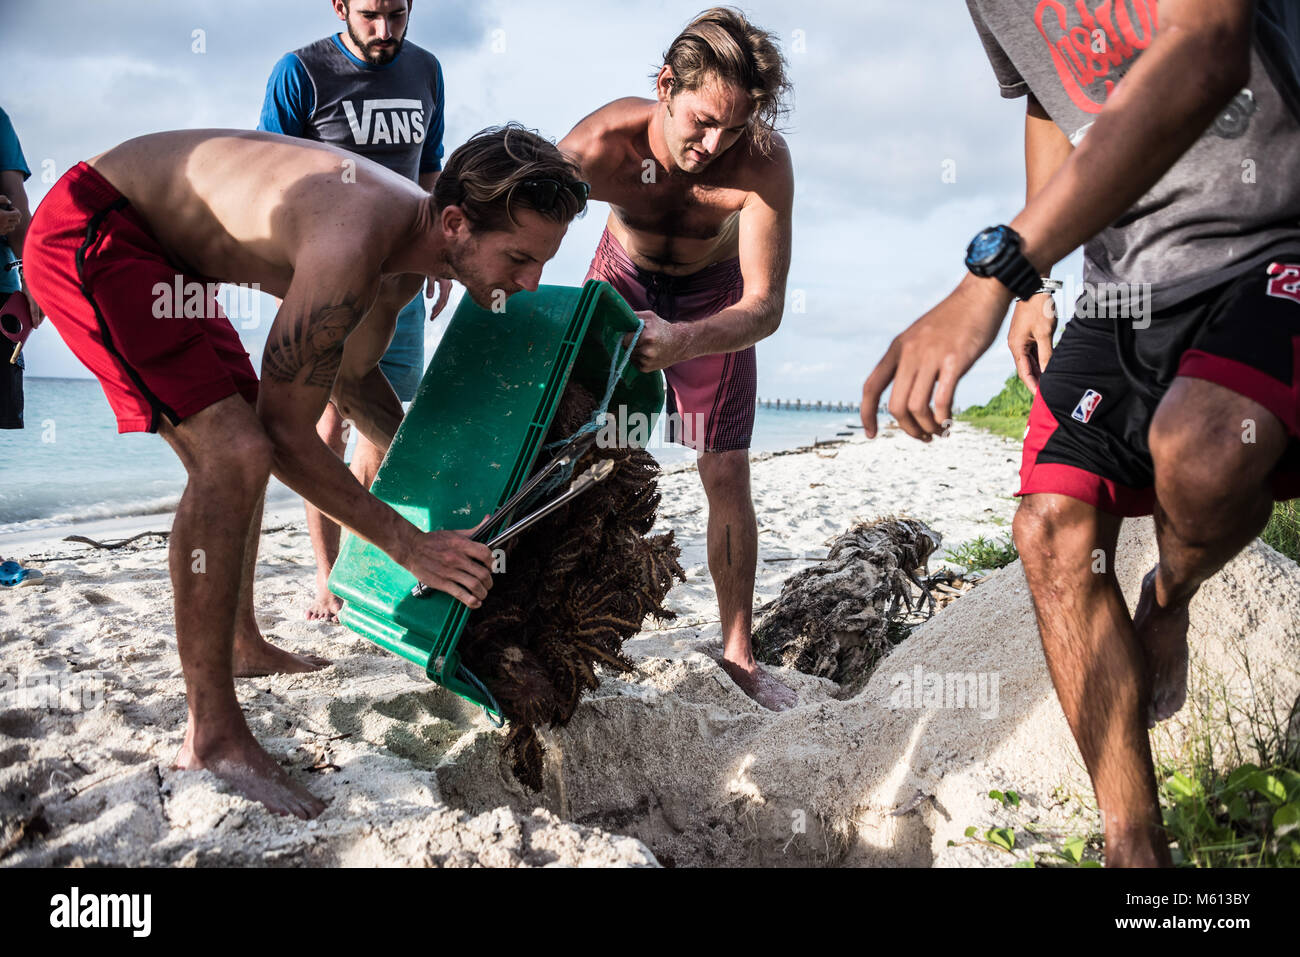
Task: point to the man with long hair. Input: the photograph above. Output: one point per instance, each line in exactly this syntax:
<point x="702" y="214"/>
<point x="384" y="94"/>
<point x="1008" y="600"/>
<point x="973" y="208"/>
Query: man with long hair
<point x="700" y="188"/>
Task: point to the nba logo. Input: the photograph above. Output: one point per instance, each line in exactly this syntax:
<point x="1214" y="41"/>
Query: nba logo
<point x="1087" y="406"/>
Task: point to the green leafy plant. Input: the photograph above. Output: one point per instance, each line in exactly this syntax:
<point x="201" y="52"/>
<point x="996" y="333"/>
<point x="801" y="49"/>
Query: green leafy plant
<point x="983" y="553"/>
<point x="1006" y="414"/>
<point x="1283" y="530"/>
<point x="1249" y="817"/>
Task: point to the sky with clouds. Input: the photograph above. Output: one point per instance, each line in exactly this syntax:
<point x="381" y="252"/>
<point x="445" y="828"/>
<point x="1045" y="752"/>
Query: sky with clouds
<point x="888" y="96"/>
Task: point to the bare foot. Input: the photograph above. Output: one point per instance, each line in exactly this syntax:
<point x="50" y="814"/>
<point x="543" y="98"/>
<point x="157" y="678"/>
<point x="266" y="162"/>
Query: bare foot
<point x="762" y="687"/>
<point x="243" y="765"/>
<point x="326" y="606"/>
<point x="1162" y="633"/>
<point x="255" y="657"/>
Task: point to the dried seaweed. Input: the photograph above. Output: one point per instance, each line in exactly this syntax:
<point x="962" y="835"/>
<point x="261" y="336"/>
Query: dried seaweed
<point x="576" y="586"/>
<point x="832" y="619"/>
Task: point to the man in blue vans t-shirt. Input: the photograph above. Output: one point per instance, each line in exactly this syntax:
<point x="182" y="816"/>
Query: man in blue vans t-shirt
<point x="369" y="91"/>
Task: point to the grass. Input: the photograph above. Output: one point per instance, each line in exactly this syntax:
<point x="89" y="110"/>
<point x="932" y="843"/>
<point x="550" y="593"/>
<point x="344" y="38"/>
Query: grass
<point x="1224" y="807"/>
<point x="1283" y="530"/>
<point x="1006" y="414"/>
<point x="983" y="553"/>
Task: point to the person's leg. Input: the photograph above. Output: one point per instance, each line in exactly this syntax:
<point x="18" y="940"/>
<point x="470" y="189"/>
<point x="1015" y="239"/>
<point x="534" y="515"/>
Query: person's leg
<point x="254" y="655"/>
<point x="1067" y="548"/>
<point x="1214" y="452"/>
<point x="228" y="458"/>
<point x="366" y="459"/>
<point x="733" y="557"/>
<point x="324" y="533"/>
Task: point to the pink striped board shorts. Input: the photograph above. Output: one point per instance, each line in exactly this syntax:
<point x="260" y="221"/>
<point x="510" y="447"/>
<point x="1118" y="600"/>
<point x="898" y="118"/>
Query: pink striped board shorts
<point x="711" y="399"/>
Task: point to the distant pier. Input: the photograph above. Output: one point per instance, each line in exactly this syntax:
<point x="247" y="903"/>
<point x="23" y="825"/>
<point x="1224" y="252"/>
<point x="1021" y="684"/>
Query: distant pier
<point x="800" y="405"/>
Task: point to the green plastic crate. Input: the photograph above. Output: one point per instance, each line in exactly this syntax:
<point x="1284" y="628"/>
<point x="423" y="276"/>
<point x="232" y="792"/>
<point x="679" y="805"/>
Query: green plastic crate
<point x="470" y="440"/>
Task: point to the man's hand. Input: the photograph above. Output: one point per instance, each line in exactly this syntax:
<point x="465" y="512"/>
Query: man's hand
<point x="453" y="563"/>
<point x="939" y="348"/>
<point x="1033" y="324"/>
<point x="444" y="293"/>
<point x="9" y="217"/>
<point x="660" y="345"/>
<point x="38" y="316"/>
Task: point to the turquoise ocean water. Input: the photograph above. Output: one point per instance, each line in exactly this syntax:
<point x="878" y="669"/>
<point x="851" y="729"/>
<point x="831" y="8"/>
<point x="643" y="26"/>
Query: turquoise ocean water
<point x="70" y="465"/>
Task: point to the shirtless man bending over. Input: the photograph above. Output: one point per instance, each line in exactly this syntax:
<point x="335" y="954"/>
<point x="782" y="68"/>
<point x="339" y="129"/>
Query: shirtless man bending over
<point x="341" y="240"/>
<point x="700" y="188"/>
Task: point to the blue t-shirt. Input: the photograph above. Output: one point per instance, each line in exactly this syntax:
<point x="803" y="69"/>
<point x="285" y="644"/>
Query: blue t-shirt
<point x="392" y="114"/>
<point x="11" y="157"/>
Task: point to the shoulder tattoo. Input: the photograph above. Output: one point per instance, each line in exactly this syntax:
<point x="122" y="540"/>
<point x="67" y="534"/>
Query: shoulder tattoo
<point x="316" y="346"/>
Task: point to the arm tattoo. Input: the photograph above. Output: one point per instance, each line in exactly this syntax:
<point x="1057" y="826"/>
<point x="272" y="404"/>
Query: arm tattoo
<point x="316" y="345"/>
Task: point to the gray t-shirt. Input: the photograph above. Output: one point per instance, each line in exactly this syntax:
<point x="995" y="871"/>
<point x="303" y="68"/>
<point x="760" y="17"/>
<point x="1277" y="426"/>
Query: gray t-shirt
<point x="392" y="114"/>
<point x="1230" y="203"/>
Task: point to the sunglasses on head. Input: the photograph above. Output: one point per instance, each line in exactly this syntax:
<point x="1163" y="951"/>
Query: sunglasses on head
<point x="542" y="194"/>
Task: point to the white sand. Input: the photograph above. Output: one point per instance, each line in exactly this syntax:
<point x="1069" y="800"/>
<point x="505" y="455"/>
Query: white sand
<point x="93" y="784"/>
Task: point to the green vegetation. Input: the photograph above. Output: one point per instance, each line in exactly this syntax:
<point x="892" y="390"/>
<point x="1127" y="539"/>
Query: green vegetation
<point x="1246" y="814"/>
<point x="983" y="553"/>
<point x="1283" y="530"/>
<point x="1249" y="817"/>
<point x="1229" y="806"/>
<point x="1006" y="414"/>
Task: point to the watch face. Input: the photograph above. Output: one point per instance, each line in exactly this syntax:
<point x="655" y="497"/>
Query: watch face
<point x="985" y="247"/>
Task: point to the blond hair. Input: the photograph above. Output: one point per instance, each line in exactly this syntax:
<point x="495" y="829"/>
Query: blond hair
<point x="721" y="44"/>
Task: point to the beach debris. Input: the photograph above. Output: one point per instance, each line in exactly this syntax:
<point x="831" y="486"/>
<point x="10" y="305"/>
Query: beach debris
<point x="578" y="584"/>
<point x="82" y="540"/>
<point x="833" y="619"/>
<point x="14" y="575"/>
<point x="21" y="814"/>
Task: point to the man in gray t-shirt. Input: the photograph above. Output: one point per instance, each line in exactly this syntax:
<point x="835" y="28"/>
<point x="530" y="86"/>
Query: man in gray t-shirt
<point x="371" y="91"/>
<point x="1215" y="213"/>
<point x="1166" y="142"/>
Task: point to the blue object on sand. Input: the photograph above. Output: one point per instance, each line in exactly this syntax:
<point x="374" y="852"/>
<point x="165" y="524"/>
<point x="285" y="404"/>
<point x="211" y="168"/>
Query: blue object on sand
<point x="12" y="574"/>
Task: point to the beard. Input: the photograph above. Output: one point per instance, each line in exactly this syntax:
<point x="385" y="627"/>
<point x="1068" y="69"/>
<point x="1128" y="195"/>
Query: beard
<point x="477" y="285"/>
<point x="373" y="53"/>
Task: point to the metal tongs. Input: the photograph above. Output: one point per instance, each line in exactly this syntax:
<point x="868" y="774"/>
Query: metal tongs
<point x="571" y="452"/>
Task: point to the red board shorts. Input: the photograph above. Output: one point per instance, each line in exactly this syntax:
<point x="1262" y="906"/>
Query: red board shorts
<point x="711" y="399"/>
<point x="109" y="288"/>
<point x="1087" y="435"/>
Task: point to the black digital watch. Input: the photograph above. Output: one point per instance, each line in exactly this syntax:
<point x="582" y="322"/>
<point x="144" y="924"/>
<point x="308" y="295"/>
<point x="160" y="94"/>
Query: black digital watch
<point x="996" y="254"/>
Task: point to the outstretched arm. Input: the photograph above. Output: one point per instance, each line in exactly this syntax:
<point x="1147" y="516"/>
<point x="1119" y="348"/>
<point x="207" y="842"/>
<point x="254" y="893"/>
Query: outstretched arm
<point x="304" y="352"/>
<point x="1199" y="59"/>
<point x="764" y="240"/>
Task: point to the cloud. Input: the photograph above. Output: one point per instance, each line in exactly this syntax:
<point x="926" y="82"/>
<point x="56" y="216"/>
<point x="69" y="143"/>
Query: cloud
<point x="885" y="94"/>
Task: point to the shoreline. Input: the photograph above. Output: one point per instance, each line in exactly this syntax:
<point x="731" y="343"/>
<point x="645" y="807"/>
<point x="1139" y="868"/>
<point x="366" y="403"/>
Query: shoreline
<point x="284" y="508"/>
<point x="409" y="771"/>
